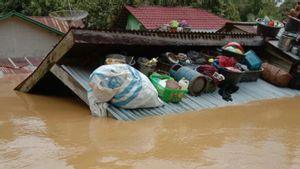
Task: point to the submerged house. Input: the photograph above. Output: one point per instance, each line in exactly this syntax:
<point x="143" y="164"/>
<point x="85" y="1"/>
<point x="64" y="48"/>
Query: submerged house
<point x="23" y="36"/>
<point x="26" y="40"/>
<point x="68" y="66"/>
<point x="153" y="17"/>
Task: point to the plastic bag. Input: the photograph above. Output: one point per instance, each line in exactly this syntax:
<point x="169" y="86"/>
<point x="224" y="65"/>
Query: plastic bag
<point x="98" y="109"/>
<point x="124" y="87"/>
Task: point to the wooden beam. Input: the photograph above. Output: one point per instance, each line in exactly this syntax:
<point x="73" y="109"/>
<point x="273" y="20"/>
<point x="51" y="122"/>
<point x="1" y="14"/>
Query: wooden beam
<point x="285" y="60"/>
<point x="57" y="53"/>
<point x="69" y="81"/>
<point x="164" y="38"/>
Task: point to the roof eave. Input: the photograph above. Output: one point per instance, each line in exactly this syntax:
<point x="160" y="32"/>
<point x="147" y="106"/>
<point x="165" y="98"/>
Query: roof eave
<point x="28" y="19"/>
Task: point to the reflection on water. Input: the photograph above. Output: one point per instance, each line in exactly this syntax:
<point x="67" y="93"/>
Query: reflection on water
<point x="52" y="132"/>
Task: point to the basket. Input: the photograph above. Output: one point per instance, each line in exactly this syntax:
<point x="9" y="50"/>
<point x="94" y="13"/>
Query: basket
<point x="238" y="57"/>
<point x="266" y="30"/>
<point x="251" y="76"/>
<point x="230" y="76"/>
<point x="167" y="94"/>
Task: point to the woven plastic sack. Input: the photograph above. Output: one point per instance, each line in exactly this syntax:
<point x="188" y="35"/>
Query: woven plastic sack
<point x="275" y="75"/>
<point x="123" y="86"/>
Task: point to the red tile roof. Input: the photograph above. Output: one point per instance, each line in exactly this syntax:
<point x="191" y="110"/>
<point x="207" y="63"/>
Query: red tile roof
<point x="59" y="25"/>
<point x="152" y="17"/>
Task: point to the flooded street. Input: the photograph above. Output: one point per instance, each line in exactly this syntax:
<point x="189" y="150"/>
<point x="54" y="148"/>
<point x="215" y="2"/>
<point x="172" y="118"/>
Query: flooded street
<point x="54" y="132"/>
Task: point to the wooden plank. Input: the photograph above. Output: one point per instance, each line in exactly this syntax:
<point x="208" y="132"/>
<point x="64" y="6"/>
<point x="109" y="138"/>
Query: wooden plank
<point x="288" y="55"/>
<point x="71" y="82"/>
<point x="280" y="58"/>
<point x="164" y="39"/>
<point x="57" y="52"/>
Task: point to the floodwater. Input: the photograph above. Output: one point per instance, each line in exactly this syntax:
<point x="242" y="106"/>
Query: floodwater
<point x="39" y="132"/>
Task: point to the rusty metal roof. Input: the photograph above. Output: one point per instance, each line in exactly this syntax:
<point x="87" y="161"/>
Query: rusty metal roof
<point x="59" y="25"/>
<point x="19" y="65"/>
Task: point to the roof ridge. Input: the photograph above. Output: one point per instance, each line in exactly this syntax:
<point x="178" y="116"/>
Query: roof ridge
<point x="31" y="20"/>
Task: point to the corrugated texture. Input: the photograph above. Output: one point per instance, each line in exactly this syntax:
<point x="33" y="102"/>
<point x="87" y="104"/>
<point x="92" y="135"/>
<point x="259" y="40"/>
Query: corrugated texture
<point x="19" y="65"/>
<point x="152" y="17"/>
<point x="248" y="92"/>
<point x="247" y="28"/>
<point x="59" y="25"/>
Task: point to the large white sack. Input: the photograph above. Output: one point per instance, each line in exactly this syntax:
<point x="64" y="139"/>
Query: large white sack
<point x="124" y="87"/>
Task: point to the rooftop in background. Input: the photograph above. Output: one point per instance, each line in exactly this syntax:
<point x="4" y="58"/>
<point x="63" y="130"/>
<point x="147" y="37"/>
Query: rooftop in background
<point x="152" y="17"/>
<point x="59" y="25"/>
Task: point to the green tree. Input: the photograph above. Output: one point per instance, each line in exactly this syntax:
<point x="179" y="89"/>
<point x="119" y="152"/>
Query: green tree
<point x="9" y="5"/>
<point x="101" y="12"/>
<point x="286" y="7"/>
<point x="231" y="11"/>
<point x="269" y="9"/>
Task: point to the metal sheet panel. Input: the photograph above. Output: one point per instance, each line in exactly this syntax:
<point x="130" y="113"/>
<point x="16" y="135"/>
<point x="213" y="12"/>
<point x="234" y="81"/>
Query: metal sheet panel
<point x="252" y="91"/>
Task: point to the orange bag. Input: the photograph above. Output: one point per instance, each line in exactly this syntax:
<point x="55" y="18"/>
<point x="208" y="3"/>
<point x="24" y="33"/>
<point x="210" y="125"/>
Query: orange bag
<point x="275" y="75"/>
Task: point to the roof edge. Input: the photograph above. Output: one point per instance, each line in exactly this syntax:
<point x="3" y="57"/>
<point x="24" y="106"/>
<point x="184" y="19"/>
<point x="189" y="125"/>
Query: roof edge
<point x="130" y="13"/>
<point x="28" y="19"/>
<point x="200" y="8"/>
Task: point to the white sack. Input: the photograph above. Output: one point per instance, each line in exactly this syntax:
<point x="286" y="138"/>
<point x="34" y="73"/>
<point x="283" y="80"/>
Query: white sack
<point x="124" y="87"/>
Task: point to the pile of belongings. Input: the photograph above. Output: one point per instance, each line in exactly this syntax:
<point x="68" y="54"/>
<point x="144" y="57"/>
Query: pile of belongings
<point x="236" y="65"/>
<point x="271" y="23"/>
<point x="191" y="58"/>
<point x="176" y="26"/>
<point x="232" y="73"/>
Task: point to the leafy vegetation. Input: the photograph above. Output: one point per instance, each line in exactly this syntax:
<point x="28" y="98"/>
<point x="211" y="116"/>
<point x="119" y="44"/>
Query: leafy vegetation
<point x="103" y="12"/>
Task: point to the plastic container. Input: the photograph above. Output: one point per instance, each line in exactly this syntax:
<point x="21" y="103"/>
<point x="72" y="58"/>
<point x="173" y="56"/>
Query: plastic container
<point x="252" y="61"/>
<point x="266" y="30"/>
<point x="163" y="65"/>
<point x="145" y="69"/>
<point x="210" y="85"/>
<point x="197" y="80"/>
<point x="285" y="42"/>
<point x="230" y="76"/>
<point x="167" y="94"/>
<point x="184" y="84"/>
<point x="251" y="76"/>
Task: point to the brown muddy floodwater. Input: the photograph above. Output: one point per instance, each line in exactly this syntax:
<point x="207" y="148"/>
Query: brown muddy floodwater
<point x="39" y="132"/>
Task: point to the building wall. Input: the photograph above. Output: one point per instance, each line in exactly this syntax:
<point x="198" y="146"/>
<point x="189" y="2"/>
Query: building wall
<point x="19" y="38"/>
<point x="133" y="23"/>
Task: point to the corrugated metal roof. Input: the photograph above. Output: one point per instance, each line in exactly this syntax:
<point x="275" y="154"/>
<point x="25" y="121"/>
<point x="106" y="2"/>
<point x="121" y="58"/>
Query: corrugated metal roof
<point x="59" y="25"/>
<point x="248" y="92"/>
<point x="19" y="65"/>
<point x="247" y="28"/>
<point x="152" y="17"/>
